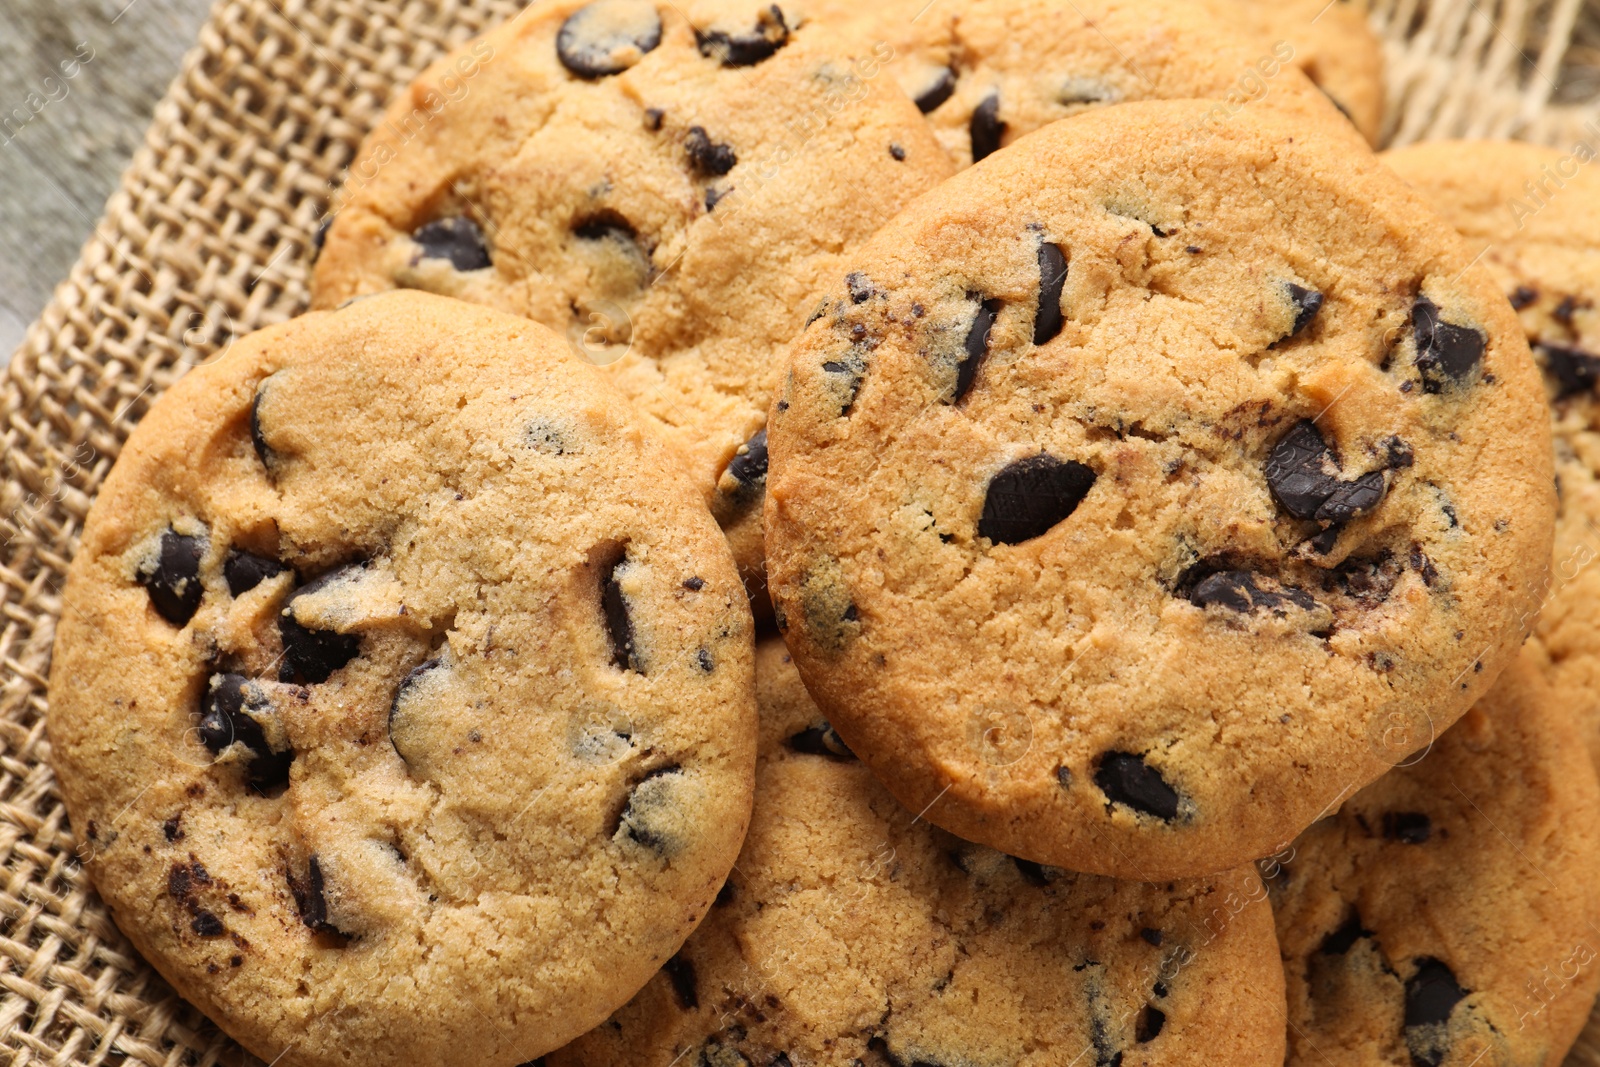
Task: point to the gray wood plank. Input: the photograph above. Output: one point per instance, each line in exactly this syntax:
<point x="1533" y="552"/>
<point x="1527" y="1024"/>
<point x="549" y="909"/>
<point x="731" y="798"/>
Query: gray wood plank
<point x="78" y="82"/>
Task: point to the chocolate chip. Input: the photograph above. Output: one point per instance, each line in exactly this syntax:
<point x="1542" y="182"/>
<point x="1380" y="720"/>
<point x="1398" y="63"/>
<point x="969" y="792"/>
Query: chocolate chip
<point x="1407" y="827"/>
<point x="986" y="127"/>
<point x="944" y="84"/>
<point x="171" y="828"/>
<point x="820" y="740"/>
<point x="225" y="720"/>
<point x="458" y="240"/>
<point x="246" y="570"/>
<point x="311" y="656"/>
<point x="770" y="33"/>
<point x="1296" y="471"/>
<point x="897" y="153"/>
<point x="1324" y="542"/>
<point x="206" y="924"/>
<point x="1522" y="296"/>
<point x="619" y="625"/>
<point x="1343" y="939"/>
<point x="707" y="156"/>
<point x="320" y="238"/>
<point x="311" y="898"/>
<point x="1563" y="311"/>
<point x="1446" y="353"/>
<point x="680" y="972"/>
<point x="1147" y="1027"/>
<point x="694" y="584"/>
<point x="846" y="375"/>
<point x="1052" y="279"/>
<point x="1574" y="370"/>
<point x="1307" y="302"/>
<point x="1240" y="591"/>
<point x="1351" y="499"/>
<point x="860" y="287"/>
<point x="173" y="578"/>
<point x="649" y="815"/>
<point x="715" y="196"/>
<point x="1432" y="994"/>
<point x="407" y="683"/>
<point x="1126" y="779"/>
<point x="976" y="345"/>
<point x="749" y="468"/>
<point x="1151" y="935"/>
<point x="264" y="451"/>
<point x="183" y="879"/>
<point x="1031" y="495"/>
<point x="607" y="37"/>
<point x="1397" y="453"/>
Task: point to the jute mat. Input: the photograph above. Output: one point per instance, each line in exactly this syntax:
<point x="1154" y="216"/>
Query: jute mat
<point x="209" y="237"/>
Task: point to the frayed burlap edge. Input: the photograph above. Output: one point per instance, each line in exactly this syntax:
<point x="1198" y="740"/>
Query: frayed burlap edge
<point x="208" y="238"/>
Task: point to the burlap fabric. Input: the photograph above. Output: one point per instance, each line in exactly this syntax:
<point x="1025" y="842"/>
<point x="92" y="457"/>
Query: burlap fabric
<point x="209" y="237"/>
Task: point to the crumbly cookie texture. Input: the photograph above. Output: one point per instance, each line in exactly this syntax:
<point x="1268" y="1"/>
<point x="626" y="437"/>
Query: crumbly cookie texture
<point x="1534" y="212"/>
<point x="1134" y="484"/>
<point x="987" y="72"/>
<point x="1332" y="43"/>
<point x="1446" y="915"/>
<point x="403" y="696"/>
<point x="670" y="186"/>
<point x="853" y="932"/>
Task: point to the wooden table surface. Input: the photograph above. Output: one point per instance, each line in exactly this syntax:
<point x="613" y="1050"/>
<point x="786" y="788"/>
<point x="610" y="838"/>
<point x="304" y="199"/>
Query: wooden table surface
<point x="78" y="82"/>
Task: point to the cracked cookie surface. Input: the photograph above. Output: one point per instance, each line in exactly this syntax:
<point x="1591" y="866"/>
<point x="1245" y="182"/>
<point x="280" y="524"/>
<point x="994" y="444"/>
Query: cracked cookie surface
<point x="1446" y="915"/>
<point x="986" y="72"/>
<point x="669" y="186"/>
<point x="1129" y="484"/>
<point x="1535" y="213"/>
<point x="395" y="659"/>
<point x="853" y="932"/>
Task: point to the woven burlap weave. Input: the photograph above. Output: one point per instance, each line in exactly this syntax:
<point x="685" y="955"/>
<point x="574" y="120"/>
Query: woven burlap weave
<point x="208" y="238"/>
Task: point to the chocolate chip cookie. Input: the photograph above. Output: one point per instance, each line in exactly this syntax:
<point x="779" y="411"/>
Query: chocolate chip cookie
<point x="1129" y="484"/>
<point x="989" y="71"/>
<point x="402" y="699"/>
<point x="1447" y="915"/>
<point x="671" y="186"/>
<point x="852" y="931"/>
<point x="1332" y="43"/>
<point x="1535" y="214"/>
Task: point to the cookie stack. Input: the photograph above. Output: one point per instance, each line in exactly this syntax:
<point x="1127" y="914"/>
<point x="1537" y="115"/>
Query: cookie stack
<point x="987" y="533"/>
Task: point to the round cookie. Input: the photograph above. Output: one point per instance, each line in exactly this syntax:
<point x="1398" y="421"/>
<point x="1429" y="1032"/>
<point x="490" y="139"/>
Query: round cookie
<point x="1535" y="213"/>
<point x="1333" y="44"/>
<point x="989" y="71"/>
<point x="403" y="696"/>
<point x="851" y="931"/>
<point x="1447" y="914"/>
<point x="1136" y="492"/>
<point x="670" y="186"/>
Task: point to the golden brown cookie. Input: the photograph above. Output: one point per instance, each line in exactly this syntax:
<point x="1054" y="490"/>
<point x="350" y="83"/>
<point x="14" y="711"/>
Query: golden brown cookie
<point x="1449" y="914"/>
<point x="403" y="698"/>
<point x="670" y="186"/>
<point x="1136" y="492"/>
<point x="1534" y="215"/>
<point x="853" y="932"/>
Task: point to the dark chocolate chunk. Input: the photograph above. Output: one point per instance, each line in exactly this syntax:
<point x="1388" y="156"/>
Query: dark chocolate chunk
<point x="1239" y="591"/>
<point x="986" y="127"/>
<point x="694" y="584"/>
<point x="1149" y="1023"/>
<point x="1052" y="278"/>
<point x="706" y="155"/>
<point x="1353" y="498"/>
<point x="206" y="924"/>
<point x="860" y="287"/>
<point x="1573" y="370"/>
<point x="1397" y="453"/>
<point x="1029" y="496"/>
<point x="1307" y="302"/>
<point x="749" y="468"/>
<point x="407" y="683"/>
<point x="1296" y="471"/>
<point x="172" y="828"/>
<point x="1324" y="542"/>
<point x="897" y="153"/>
<point x="173" y="578"/>
<point x="1345" y="937"/>
<point x="1522" y="296"/>
<point x="607" y="37"/>
<point x="1126" y="779"/>
<point x="1432" y="994"/>
<point x="770" y="33"/>
<point x="457" y="239"/>
<point x="257" y="438"/>
<point x="223" y="719"/>
<point x="1407" y="827"/>
<point x="311" y="656"/>
<point x="619" y="625"/>
<point x="1151" y="935"/>
<point x="311" y="898"/>
<point x="183" y="879"/>
<point x="646" y="818"/>
<point x="680" y="972"/>
<point x="976" y="345"/>
<point x="606" y="226"/>
<point x="937" y="93"/>
<point x="820" y="740"/>
<point x="246" y="570"/>
<point x="703" y="659"/>
<point x="1446" y="353"/>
